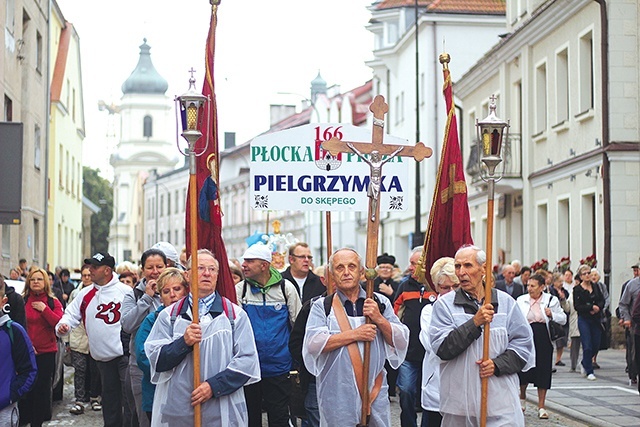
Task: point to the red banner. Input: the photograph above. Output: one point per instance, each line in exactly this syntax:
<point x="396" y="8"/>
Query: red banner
<point x="449" y="225"/>
<point x="209" y="225"/>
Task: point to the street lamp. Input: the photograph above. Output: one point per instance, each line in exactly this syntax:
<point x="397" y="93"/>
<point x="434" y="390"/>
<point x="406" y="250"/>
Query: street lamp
<point x="491" y="135"/>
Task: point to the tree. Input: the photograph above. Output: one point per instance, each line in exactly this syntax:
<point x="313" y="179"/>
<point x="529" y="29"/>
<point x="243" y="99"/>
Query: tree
<point x="99" y="191"/>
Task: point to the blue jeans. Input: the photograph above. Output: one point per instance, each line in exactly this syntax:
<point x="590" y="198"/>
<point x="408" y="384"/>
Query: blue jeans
<point x="409" y="383"/>
<point x="590" y="333"/>
<point x="311" y="406"/>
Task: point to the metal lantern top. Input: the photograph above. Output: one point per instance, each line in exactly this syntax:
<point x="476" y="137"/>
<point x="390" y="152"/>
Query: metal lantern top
<point x="191" y="105"/>
<point x="491" y="135"/>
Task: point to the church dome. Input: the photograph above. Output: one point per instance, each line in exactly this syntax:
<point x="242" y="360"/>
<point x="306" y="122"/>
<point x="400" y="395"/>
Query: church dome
<point x="145" y="78"/>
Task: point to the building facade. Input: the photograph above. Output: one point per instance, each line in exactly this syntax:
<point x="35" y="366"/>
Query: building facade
<point x="146" y="143"/>
<point x="566" y="77"/>
<point x="66" y="133"/>
<point x="24" y="97"/>
<point x="407" y="73"/>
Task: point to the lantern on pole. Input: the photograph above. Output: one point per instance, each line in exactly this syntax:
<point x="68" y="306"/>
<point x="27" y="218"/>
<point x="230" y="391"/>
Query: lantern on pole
<point x="191" y="107"/>
<point x="492" y="132"/>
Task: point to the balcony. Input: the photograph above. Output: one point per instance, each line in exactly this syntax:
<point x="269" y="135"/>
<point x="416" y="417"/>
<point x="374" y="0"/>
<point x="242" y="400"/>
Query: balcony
<point x="510" y="169"/>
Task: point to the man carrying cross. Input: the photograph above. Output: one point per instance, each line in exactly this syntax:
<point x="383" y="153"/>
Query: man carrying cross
<point x="335" y="334"/>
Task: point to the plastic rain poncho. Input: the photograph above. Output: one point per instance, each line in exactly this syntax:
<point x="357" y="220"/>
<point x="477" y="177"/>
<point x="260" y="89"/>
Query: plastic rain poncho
<point x="460" y="388"/>
<point x="338" y="398"/>
<point x="220" y="349"/>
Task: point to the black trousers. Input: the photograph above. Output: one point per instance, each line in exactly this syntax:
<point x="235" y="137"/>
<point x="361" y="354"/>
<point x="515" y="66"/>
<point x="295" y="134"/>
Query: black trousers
<point x="112" y="378"/>
<point x="276" y="392"/>
<point x="35" y="408"/>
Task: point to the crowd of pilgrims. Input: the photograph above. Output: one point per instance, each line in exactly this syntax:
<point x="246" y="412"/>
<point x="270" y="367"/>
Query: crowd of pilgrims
<point x="273" y="376"/>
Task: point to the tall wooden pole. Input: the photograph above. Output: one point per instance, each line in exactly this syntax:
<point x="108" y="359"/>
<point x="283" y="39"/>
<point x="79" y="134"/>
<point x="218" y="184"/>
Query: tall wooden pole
<point x="329" y="281"/>
<point x="193" y="250"/>
<point x="488" y="285"/>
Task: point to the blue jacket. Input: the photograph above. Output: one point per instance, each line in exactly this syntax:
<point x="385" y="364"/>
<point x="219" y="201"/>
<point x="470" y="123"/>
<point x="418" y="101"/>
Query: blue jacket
<point x="18" y="368"/>
<point x="148" y="389"/>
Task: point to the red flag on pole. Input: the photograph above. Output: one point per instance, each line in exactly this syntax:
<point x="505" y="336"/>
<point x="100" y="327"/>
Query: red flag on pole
<point x="207" y="177"/>
<point x="449" y="225"/>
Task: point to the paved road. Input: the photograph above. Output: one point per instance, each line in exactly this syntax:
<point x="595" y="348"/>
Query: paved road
<point x="572" y="401"/>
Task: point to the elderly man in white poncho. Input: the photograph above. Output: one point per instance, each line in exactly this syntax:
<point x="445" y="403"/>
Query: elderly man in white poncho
<point x="456" y="332"/>
<point x="334" y="342"/>
<point x="228" y="356"/>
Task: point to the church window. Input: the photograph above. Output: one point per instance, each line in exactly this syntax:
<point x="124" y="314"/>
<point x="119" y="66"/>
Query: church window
<point x="147" y="127"/>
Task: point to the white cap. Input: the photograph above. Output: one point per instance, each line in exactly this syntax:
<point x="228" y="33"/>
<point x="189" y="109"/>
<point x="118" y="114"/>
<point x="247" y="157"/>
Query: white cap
<point x="258" y="251"/>
<point x="169" y="251"/>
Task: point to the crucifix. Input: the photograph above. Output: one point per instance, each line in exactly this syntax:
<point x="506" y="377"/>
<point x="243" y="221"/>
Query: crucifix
<point x="376" y="149"/>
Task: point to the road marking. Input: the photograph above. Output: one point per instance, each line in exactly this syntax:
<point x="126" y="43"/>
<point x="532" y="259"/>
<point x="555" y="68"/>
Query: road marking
<point x="594" y="387"/>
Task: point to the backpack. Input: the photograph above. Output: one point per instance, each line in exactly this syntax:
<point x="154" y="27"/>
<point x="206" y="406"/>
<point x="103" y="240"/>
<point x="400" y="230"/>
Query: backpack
<point x="282" y="286"/>
<point x="50" y="302"/>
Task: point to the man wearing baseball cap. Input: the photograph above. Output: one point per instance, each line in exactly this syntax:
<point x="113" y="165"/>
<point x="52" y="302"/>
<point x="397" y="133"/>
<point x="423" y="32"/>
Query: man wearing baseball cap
<point x="100" y="307"/>
<point x="272" y="304"/>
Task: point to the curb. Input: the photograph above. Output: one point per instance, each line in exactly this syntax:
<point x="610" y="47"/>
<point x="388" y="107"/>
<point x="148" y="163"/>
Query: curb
<point x="571" y="413"/>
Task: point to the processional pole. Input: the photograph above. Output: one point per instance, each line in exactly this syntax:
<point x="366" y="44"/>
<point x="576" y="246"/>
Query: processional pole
<point x="490" y="140"/>
<point x="329" y="280"/>
<point x="378" y="154"/>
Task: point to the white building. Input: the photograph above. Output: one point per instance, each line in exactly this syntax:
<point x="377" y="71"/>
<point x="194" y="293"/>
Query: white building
<point x="569" y="85"/>
<point x="466" y="30"/>
<point x="146" y="143"/>
<point x="66" y="133"/>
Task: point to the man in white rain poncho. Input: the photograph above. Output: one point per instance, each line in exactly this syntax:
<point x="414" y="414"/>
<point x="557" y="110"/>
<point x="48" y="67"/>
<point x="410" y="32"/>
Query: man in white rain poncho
<point x="328" y="343"/>
<point x="228" y="356"/>
<point x="456" y="333"/>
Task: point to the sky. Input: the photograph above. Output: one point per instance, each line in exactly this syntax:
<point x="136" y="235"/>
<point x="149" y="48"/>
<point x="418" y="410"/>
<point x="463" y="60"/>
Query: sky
<point x="263" y="48"/>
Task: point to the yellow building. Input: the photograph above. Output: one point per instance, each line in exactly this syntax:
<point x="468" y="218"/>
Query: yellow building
<point x="66" y="133"/>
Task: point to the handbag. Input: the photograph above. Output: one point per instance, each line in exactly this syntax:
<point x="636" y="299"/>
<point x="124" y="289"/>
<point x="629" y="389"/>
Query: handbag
<point x="556" y="330"/>
<point x="296" y="402"/>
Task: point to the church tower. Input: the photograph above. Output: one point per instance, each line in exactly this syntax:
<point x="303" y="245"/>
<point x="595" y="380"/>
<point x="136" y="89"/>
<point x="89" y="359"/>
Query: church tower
<point x="147" y="142"/>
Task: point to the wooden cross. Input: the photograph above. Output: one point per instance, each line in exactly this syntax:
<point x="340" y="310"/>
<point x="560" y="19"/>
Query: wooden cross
<point x="376" y="148"/>
<point x="455" y="187"/>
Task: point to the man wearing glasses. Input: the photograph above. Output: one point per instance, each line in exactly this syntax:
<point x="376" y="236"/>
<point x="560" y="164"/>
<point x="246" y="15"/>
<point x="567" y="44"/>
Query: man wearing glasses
<point x="299" y="272"/>
<point x="272" y="303"/>
<point x="228" y="355"/>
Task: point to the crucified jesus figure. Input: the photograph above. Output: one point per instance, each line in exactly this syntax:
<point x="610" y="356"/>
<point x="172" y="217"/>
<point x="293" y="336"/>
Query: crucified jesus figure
<point x="375" y="163"/>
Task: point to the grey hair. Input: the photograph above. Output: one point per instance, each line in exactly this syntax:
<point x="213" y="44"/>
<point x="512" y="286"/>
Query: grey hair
<point x="417" y="249"/>
<point x="481" y="256"/>
<point x="202" y="252"/>
<point x="330" y="262"/>
<point x="443" y="268"/>
<point x="584" y="267"/>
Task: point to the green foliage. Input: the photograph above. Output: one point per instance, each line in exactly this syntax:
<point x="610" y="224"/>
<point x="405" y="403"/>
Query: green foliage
<point x="99" y="191"/>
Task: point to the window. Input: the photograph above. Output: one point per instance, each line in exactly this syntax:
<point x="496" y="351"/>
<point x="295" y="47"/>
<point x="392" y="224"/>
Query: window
<point x="8" y="109"/>
<point x="37" y="134"/>
<point x="10" y="21"/>
<point x="588" y="227"/>
<point x="564" y="228"/>
<point x="36" y="240"/>
<point x="585" y="77"/>
<point x="60" y="157"/>
<point x="543" y="232"/>
<point x="73" y="105"/>
<point x="38" y="52"/>
<point x="176" y="237"/>
<point x="73" y="176"/>
<point x="6" y="241"/>
<point x="147" y="130"/>
<point x="177" y="204"/>
<point x="66" y="173"/>
<point x="161" y="213"/>
<point x="541" y="98"/>
<point x="392" y="33"/>
<point x="562" y="86"/>
<point x="168" y="204"/>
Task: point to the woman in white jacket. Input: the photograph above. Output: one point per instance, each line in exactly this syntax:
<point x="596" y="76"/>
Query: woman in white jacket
<point x="443" y="276"/>
<point x="539" y="308"/>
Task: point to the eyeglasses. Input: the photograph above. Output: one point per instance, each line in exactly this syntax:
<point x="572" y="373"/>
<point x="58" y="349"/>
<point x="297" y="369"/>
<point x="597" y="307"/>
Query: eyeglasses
<point x="37" y="279"/>
<point x="211" y="270"/>
<point x="585" y="272"/>
<point x="309" y="257"/>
